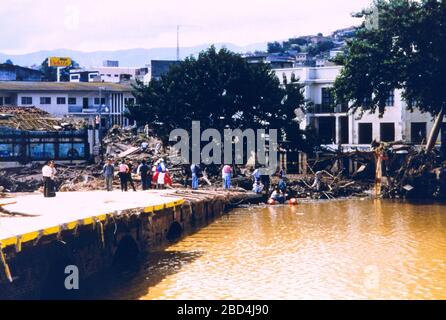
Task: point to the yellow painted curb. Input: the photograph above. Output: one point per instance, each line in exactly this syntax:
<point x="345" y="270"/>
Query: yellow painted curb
<point x="54" y="230"/>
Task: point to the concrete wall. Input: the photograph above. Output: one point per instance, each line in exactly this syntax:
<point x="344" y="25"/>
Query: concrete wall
<point x="38" y="268"/>
<point x="53" y="108"/>
<point x="116" y="102"/>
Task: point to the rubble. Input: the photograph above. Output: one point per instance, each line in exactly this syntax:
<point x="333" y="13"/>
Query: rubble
<point x="397" y="170"/>
<point x="416" y="174"/>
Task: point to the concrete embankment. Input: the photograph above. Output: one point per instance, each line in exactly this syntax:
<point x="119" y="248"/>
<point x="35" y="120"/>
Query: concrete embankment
<point x="94" y="231"/>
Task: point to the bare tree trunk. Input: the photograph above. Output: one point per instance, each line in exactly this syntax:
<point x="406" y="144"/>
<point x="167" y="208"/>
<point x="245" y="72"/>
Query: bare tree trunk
<point x="435" y="131"/>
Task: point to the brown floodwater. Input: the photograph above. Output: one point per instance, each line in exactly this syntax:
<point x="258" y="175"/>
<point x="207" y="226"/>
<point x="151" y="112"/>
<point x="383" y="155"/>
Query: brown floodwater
<point x="349" y="249"/>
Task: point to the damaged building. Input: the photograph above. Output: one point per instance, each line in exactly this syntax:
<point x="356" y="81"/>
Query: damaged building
<point x="29" y="134"/>
<point x="86" y="100"/>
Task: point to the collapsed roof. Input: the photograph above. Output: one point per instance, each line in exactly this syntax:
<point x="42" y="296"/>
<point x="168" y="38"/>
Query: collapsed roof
<point x="32" y="119"/>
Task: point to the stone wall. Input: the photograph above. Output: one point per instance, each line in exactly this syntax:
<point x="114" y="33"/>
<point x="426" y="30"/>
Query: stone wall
<point x="38" y="269"/>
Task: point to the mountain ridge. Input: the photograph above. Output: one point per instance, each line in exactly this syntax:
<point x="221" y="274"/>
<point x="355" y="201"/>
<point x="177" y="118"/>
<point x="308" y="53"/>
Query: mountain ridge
<point x="135" y="57"/>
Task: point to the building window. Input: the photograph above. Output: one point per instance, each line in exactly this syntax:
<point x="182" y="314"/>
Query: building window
<point x="41" y="151"/>
<point x="72" y="150"/>
<point x="387" y="132"/>
<point x="45" y="100"/>
<point x="418" y="132"/>
<point x="61" y="100"/>
<point x="75" y="77"/>
<point x="72" y="101"/>
<point x="7" y="101"/>
<point x="1" y="101"/>
<point x="116" y="75"/>
<point x="390" y="102"/>
<point x="365" y="133"/>
<point x="327" y="97"/>
<point x="27" y="100"/>
<point x="101" y="102"/>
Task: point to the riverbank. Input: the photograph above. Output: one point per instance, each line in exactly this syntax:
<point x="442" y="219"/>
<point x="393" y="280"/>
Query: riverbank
<point x="95" y="231"/>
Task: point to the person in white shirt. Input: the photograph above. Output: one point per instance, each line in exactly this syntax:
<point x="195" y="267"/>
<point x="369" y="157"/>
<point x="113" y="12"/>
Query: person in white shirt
<point x="49" y="174"/>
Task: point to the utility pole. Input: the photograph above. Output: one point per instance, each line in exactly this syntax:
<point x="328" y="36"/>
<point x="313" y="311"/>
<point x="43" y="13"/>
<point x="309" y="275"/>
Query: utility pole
<point x="178" y="43"/>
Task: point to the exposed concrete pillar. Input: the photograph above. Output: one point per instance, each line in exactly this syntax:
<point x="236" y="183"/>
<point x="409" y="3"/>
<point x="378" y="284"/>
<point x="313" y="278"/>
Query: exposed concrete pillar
<point x="338" y="130"/>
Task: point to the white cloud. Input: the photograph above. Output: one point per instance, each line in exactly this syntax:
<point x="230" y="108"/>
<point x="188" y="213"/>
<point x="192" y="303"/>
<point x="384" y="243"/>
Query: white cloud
<point x="29" y="25"/>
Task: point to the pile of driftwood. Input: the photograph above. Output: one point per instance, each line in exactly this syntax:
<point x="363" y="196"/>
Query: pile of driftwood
<point x="413" y="174"/>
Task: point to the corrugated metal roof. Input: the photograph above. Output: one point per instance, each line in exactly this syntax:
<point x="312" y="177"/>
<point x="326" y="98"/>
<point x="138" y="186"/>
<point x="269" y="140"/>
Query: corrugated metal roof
<point x="27" y="119"/>
<point x="28" y="86"/>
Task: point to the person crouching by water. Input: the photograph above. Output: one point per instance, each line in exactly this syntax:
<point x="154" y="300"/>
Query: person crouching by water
<point x="257" y="187"/>
<point x="49" y="174"/>
<point x="278" y="196"/>
<point x="123" y="174"/>
<point x="109" y="172"/>
<point x="226" y="173"/>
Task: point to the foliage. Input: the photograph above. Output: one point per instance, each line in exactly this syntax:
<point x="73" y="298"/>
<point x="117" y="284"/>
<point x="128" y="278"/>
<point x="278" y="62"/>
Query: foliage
<point x="50" y="73"/>
<point x="221" y="90"/>
<point x="405" y="48"/>
<point x="320" y="47"/>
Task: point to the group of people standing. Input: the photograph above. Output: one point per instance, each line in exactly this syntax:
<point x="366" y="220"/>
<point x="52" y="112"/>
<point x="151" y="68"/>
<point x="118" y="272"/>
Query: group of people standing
<point x="196" y="170"/>
<point x="157" y="175"/>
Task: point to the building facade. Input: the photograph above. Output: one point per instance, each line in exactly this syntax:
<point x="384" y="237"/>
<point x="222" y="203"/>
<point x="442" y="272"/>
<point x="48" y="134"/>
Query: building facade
<point x="89" y="100"/>
<point x="335" y="125"/>
<point x="108" y="74"/>
<point x="28" y="134"/>
<point x="10" y="72"/>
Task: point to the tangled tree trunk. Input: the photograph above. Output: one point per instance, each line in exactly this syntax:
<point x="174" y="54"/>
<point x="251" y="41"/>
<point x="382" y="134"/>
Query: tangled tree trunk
<point x="435" y="132"/>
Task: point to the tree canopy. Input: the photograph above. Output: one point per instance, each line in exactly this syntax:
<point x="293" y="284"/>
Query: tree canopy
<point x="221" y="90"/>
<point x="401" y="45"/>
<point x="50" y="73"/>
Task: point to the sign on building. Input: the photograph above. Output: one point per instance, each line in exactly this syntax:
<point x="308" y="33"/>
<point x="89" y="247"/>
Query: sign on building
<point x="59" y="62"/>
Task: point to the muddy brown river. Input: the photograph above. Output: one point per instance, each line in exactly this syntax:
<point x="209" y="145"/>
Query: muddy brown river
<point x="349" y="249"/>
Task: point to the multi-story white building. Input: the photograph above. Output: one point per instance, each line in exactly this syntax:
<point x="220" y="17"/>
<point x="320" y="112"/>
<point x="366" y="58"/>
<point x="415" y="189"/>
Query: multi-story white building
<point x="336" y="125"/>
<point x="108" y="74"/>
<point x="71" y="99"/>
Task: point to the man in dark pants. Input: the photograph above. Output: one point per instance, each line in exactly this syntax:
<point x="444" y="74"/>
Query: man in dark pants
<point x="48" y="173"/>
<point x="143" y="171"/>
<point x="109" y="172"/>
<point x="129" y="175"/>
<point x="123" y="169"/>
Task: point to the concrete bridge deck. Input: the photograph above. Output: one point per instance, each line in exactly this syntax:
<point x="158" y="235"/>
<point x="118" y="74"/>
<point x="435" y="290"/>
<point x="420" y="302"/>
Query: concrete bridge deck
<point x="38" y="216"/>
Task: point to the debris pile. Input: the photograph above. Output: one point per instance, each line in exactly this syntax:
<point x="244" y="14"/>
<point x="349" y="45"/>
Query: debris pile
<point x="127" y="143"/>
<point x="412" y="174"/>
<point x="330" y="187"/>
<point x="397" y="170"/>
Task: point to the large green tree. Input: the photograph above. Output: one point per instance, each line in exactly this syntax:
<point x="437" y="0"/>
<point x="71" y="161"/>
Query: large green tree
<point x="219" y="89"/>
<point x="401" y="45"/>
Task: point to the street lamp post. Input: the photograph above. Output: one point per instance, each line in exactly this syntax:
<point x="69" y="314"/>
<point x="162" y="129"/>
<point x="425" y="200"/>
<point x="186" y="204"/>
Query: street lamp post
<point x="101" y="105"/>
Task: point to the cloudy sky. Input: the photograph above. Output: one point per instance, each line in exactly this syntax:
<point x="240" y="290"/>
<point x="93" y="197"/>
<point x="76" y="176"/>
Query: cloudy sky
<point x="89" y="25"/>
